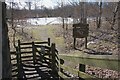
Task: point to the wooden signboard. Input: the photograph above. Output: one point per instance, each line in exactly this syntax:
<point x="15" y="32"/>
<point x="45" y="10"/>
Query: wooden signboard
<point x="80" y="30"/>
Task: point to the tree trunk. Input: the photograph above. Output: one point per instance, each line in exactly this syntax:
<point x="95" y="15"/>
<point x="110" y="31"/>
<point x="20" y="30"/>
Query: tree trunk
<point x="119" y="32"/>
<point x="98" y="19"/>
<point x="0" y="41"/>
<point x="6" y="63"/>
<point x="114" y="17"/>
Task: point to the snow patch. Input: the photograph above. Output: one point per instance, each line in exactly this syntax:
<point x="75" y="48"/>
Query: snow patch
<point x="47" y="21"/>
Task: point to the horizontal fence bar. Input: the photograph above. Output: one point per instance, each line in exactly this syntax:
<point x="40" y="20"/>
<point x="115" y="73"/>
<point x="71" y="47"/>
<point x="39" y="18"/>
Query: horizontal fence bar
<point x="41" y="42"/>
<point x="102" y="61"/>
<point x="33" y="73"/>
<point x="13" y="59"/>
<point x="46" y="54"/>
<point x="28" y="69"/>
<point x="24" y="57"/>
<point x="26" y="60"/>
<point x="34" y="77"/>
<point x="27" y="43"/>
<point x="13" y="52"/>
<point x="43" y="58"/>
<point x="15" y="70"/>
<point x="46" y="47"/>
<point x="45" y="62"/>
<point x="15" y="75"/>
<point x="77" y="72"/>
<point x="30" y="43"/>
<point x="32" y="66"/>
<point x="30" y="55"/>
<point x="25" y="47"/>
<point x="62" y="75"/>
<point x="26" y="52"/>
<point x="14" y="65"/>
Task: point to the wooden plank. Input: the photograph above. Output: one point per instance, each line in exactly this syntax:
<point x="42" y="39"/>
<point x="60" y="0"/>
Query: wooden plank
<point x="15" y="70"/>
<point x="26" y="52"/>
<point x="44" y="58"/>
<point x="13" y="52"/>
<point x="44" y="61"/>
<point x="27" y="60"/>
<point x="28" y="43"/>
<point x="14" y="65"/>
<point x="32" y="66"/>
<point x="41" y="42"/>
<point x="77" y="72"/>
<point x="46" y="47"/>
<point x="34" y="77"/>
<point x="26" y="47"/>
<point x="63" y="75"/>
<point x="13" y="59"/>
<point x="31" y="73"/>
<point x="102" y="61"/>
<point x="15" y="75"/>
<point x="23" y="57"/>
<point x="28" y="69"/>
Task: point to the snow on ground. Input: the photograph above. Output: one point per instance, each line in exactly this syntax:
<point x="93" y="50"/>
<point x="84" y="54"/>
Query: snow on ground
<point x="47" y="21"/>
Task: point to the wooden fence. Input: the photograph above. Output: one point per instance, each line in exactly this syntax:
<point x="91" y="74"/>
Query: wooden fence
<point x="41" y="60"/>
<point x="103" y="61"/>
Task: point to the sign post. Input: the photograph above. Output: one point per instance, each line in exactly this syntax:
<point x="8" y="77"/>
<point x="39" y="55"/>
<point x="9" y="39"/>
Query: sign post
<point x="80" y="30"/>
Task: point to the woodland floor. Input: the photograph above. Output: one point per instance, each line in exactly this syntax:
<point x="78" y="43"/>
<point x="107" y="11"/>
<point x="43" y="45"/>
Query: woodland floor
<point x="101" y="41"/>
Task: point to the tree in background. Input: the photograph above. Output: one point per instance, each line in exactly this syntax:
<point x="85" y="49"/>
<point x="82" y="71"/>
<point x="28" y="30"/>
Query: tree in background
<point x="99" y="15"/>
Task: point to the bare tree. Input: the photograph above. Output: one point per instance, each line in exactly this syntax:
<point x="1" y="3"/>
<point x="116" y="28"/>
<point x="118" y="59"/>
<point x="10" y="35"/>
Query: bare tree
<point x="12" y="22"/>
<point x="6" y="62"/>
<point x="110" y="10"/>
<point x="98" y="18"/>
<point x="114" y="16"/>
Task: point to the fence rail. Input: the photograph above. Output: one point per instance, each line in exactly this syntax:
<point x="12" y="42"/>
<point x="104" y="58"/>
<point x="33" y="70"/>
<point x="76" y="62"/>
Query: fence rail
<point x="33" y="55"/>
<point x="102" y="61"/>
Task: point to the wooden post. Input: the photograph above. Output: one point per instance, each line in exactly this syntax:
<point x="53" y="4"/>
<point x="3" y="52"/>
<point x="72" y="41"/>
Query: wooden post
<point x="17" y="57"/>
<point x="82" y="69"/>
<point x="49" y="49"/>
<point x="85" y="42"/>
<point x="54" y="68"/>
<point x="34" y="52"/>
<point x="1" y="40"/>
<point x="42" y="53"/>
<point x="74" y="43"/>
<point x="5" y="53"/>
<point x="53" y="55"/>
<point x="48" y="41"/>
<point x="119" y="35"/>
<point x="19" y="61"/>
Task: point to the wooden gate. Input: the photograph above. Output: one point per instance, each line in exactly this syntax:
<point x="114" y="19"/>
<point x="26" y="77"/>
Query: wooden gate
<point x="36" y="60"/>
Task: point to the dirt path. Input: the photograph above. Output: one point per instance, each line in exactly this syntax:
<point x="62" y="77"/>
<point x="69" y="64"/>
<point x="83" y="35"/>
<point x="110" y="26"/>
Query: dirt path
<point x="42" y="33"/>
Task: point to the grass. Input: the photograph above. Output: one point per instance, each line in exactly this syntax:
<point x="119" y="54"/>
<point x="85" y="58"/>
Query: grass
<point x="41" y="33"/>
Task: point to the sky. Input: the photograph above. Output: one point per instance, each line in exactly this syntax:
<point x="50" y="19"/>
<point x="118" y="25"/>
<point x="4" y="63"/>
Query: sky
<point x="50" y="3"/>
<point x="45" y="3"/>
